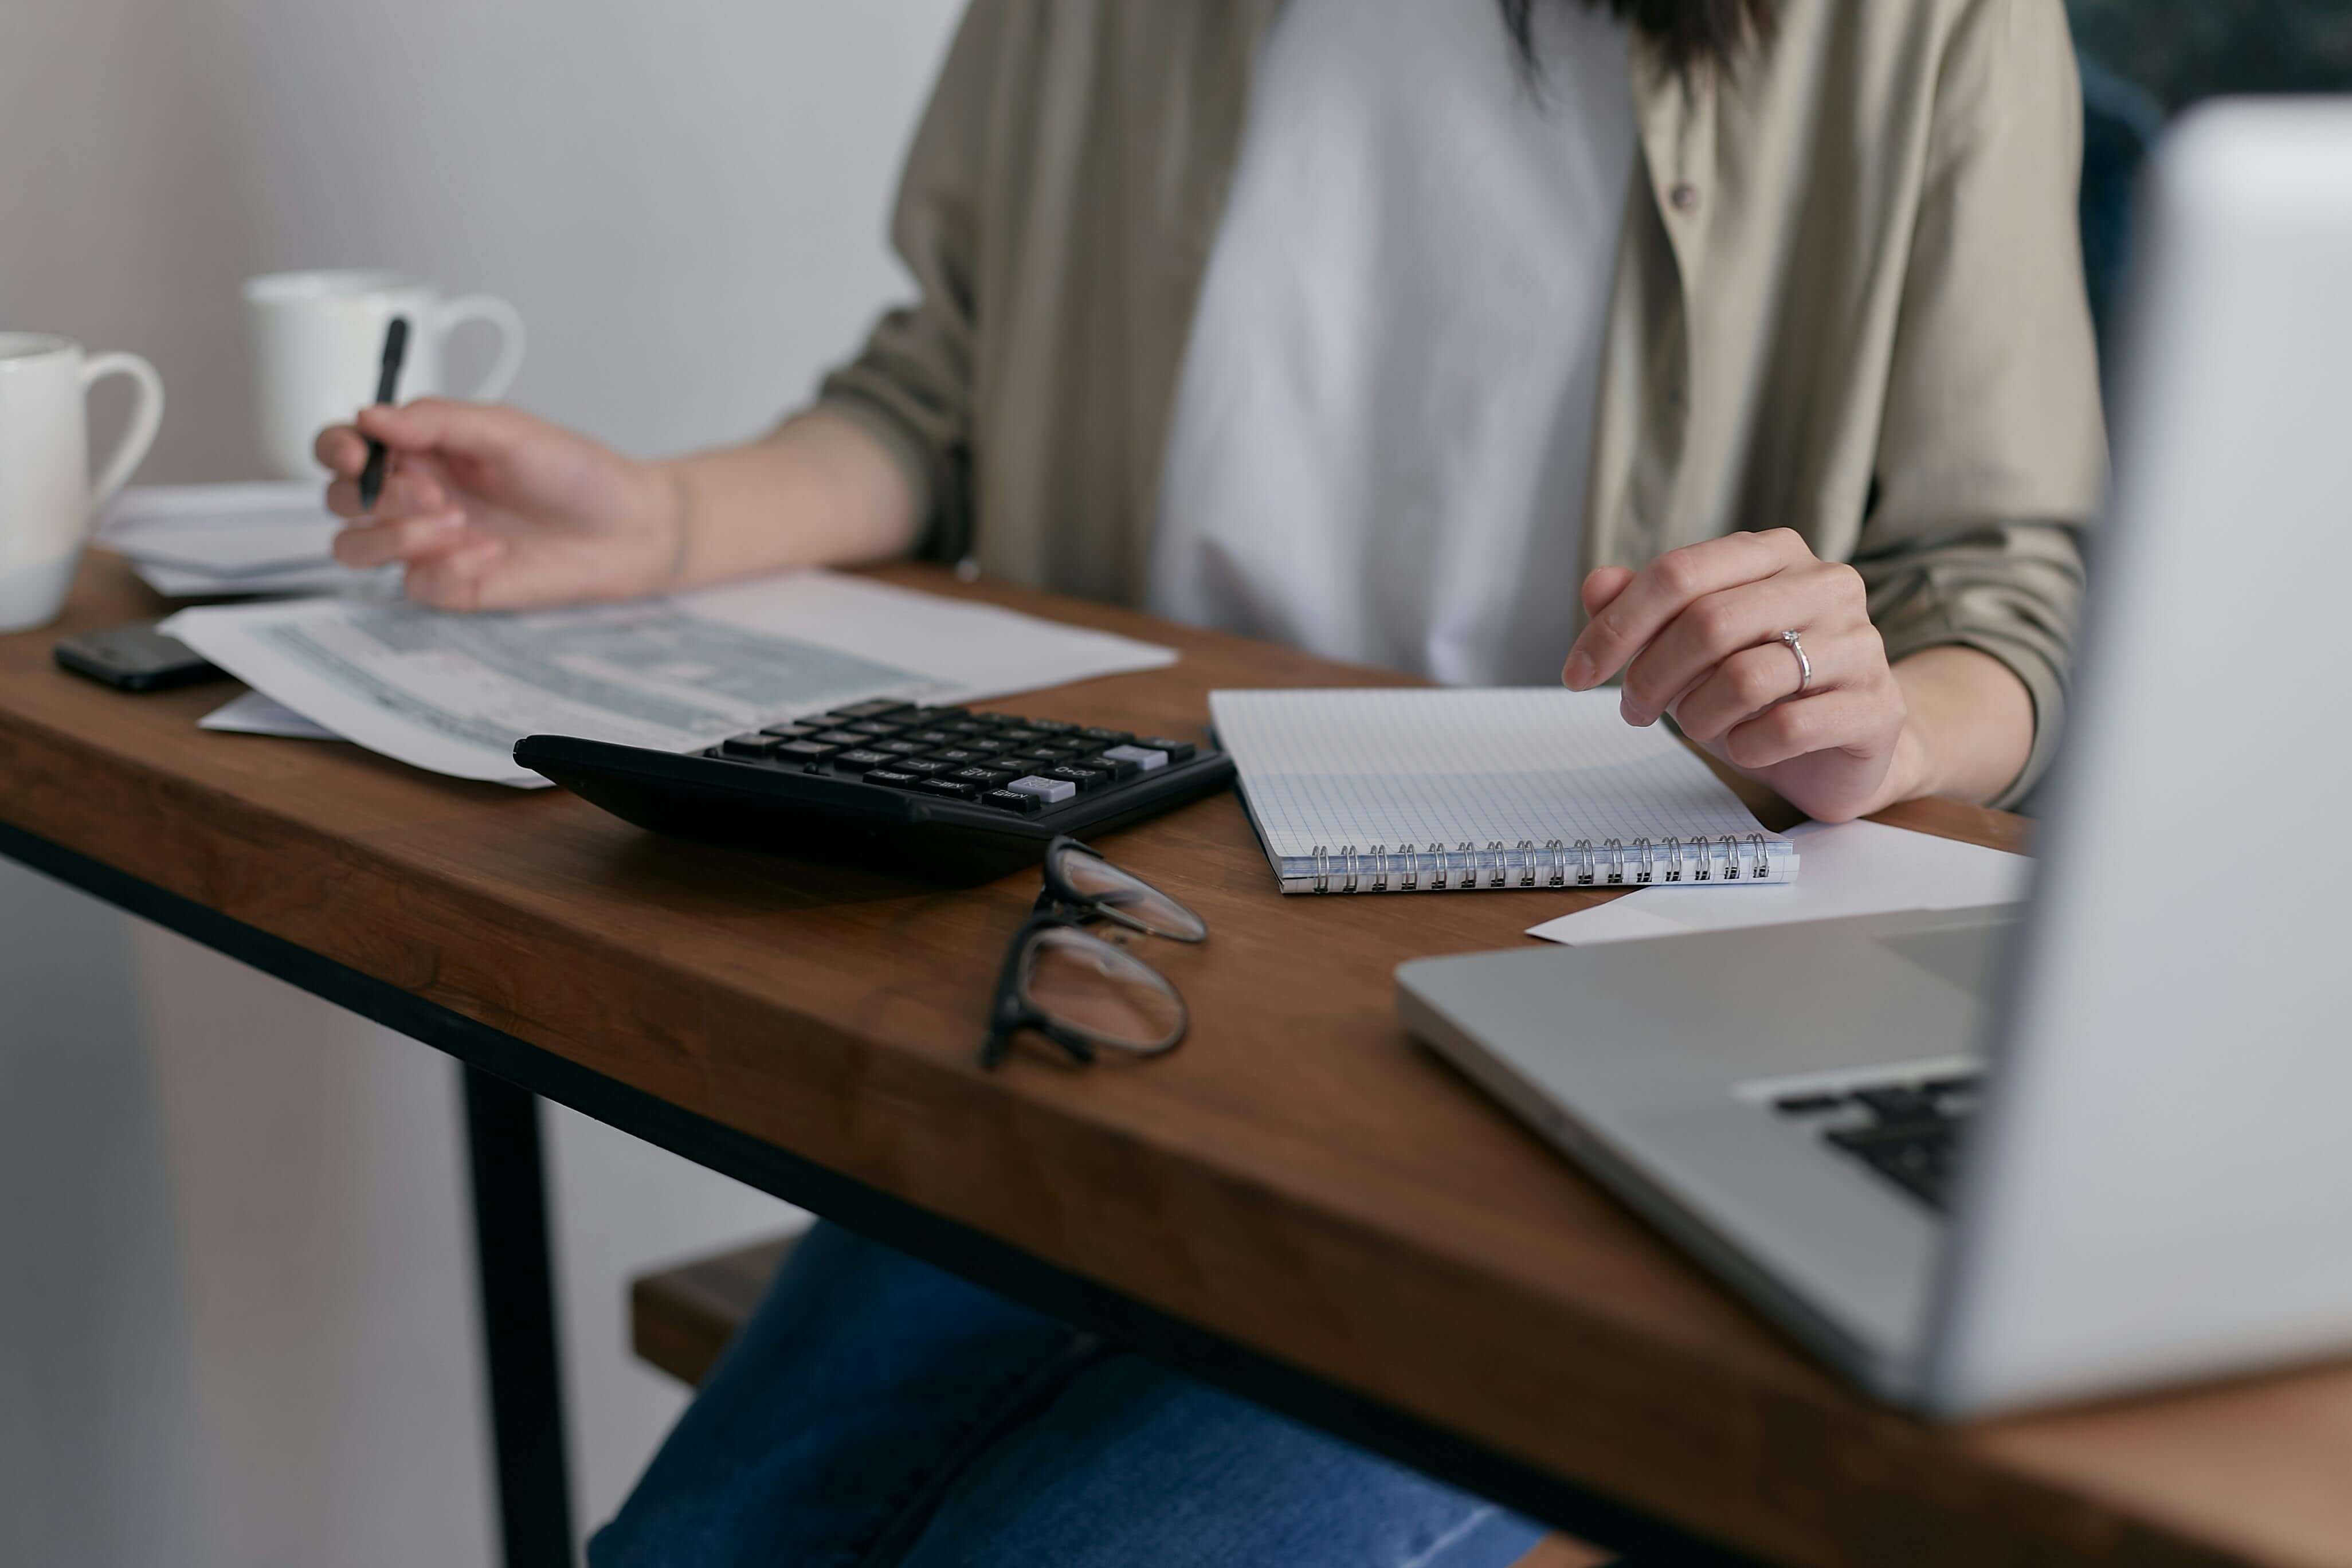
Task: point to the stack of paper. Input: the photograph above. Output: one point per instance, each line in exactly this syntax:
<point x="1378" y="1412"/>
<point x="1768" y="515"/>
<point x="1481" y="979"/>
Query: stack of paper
<point x="454" y="693"/>
<point x="204" y="540"/>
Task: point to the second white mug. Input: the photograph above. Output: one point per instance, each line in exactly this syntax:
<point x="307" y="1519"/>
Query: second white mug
<point x="317" y="339"/>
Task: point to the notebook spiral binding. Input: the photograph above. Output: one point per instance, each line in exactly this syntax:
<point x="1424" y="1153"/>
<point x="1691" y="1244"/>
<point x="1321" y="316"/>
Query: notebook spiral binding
<point x="1611" y="863"/>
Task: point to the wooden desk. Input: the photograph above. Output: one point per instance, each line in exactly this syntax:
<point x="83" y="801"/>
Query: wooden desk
<point x="1301" y="1203"/>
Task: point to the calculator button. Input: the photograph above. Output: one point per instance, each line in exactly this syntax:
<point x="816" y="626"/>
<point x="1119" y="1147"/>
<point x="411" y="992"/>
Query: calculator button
<point x="1106" y="737"/>
<point x="1053" y="792"/>
<point x="960" y="755"/>
<point x="1144" y="757"/>
<point x="842" y="737"/>
<point x="932" y="737"/>
<point x="750" y="745"/>
<point x="1025" y="762"/>
<point x="986" y="748"/>
<point x="1012" y="801"/>
<point x="901" y="748"/>
<point x="1049" y="726"/>
<point x="1085" y="778"/>
<point x="1117" y="767"/>
<point x="857" y="760"/>
<point x="948" y="787"/>
<point x="894" y="778"/>
<point x="985" y="778"/>
<point x="923" y="766"/>
<point x="791" y="732"/>
<point x="875" y="727"/>
<point x="936" y="715"/>
<point x="874" y="710"/>
<point x="1020" y="737"/>
<point x="1177" y="751"/>
<point x="804" y="751"/>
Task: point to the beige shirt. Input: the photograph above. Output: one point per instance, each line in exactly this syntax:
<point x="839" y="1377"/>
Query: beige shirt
<point x="1849" y="300"/>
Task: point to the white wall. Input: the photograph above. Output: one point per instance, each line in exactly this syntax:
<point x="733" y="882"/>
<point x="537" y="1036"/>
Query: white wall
<point x="239" y="1330"/>
<point x="95" y="1401"/>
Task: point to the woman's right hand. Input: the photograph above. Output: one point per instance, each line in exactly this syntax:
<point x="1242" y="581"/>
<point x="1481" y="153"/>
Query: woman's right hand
<point x="489" y="509"/>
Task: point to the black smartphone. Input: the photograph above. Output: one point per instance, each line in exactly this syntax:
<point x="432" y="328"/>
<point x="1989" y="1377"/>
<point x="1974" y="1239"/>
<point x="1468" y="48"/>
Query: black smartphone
<point x="135" y="659"/>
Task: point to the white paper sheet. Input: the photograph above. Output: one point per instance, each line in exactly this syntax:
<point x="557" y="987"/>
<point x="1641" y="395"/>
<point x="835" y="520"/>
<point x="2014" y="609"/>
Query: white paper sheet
<point x="178" y="583"/>
<point x="256" y="714"/>
<point x="1854" y="868"/>
<point x="190" y="541"/>
<point x="454" y="693"/>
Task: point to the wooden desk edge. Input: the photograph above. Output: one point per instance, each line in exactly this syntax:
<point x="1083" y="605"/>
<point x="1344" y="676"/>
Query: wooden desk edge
<point x="156" y="789"/>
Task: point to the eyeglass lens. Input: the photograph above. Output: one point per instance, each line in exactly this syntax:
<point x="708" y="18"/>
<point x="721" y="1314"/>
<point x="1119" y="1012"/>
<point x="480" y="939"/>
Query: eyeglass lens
<point x="1099" y="881"/>
<point x="1113" y="999"/>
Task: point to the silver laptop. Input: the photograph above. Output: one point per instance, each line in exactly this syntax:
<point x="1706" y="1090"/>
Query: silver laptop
<point x="2102" y="1141"/>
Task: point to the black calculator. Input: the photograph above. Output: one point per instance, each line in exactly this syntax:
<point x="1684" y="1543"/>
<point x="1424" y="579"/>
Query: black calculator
<point x="948" y="793"/>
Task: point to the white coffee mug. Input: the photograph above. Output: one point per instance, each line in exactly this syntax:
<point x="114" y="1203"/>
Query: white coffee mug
<point x="46" y="496"/>
<point x="318" y="342"/>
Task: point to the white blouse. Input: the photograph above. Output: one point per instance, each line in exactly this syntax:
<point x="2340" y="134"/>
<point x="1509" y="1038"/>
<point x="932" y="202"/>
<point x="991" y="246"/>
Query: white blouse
<point x="1382" y="430"/>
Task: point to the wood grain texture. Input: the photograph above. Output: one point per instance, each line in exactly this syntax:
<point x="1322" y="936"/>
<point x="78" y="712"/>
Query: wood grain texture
<point x="680" y="1317"/>
<point x="1300" y="1177"/>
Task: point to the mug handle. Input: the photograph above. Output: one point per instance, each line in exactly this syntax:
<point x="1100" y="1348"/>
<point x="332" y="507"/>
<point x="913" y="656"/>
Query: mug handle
<point x="145" y="420"/>
<point x="507" y="320"/>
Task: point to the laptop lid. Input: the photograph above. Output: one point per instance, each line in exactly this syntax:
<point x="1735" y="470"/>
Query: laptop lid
<point x="2160" y="1184"/>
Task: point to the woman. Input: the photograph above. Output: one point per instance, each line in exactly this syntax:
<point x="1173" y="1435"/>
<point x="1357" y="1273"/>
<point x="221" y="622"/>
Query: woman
<point x="1374" y="325"/>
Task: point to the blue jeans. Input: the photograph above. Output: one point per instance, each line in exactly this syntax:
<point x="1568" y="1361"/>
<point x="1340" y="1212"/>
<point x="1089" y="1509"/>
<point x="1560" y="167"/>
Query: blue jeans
<point x="876" y="1411"/>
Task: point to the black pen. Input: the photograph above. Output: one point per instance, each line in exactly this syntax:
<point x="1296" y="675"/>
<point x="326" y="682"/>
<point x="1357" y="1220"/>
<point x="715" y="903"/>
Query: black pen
<point x="387" y="387"/>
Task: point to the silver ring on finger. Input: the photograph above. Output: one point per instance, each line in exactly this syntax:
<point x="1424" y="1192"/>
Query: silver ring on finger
<point x="1804" y="665"/>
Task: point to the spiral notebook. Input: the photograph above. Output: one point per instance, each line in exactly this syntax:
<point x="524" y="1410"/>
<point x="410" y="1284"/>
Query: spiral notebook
<point x="1397" y="791"/>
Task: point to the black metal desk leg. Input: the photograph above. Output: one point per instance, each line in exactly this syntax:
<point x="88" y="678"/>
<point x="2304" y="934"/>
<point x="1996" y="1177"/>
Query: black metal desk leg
<point x="510" y="1245"/>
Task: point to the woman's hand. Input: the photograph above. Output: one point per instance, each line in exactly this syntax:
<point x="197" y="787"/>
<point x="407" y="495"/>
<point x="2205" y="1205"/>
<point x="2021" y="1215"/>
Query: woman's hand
<point x="1698" y="632"/>
<point x="488" y="508"/>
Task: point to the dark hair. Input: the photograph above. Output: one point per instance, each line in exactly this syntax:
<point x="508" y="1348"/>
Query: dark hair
<point x="1693" y="32"/>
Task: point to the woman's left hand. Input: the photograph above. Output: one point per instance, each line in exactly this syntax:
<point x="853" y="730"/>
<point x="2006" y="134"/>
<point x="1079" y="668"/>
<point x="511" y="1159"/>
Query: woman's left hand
<point x="1698" y="632"/>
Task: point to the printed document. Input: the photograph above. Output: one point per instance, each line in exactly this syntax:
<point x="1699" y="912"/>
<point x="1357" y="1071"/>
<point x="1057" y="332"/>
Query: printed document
<point x="452" y="693"/>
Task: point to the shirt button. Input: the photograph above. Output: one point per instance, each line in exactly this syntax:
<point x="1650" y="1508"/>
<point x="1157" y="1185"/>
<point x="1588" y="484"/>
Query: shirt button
<point x="1685" y="198"/>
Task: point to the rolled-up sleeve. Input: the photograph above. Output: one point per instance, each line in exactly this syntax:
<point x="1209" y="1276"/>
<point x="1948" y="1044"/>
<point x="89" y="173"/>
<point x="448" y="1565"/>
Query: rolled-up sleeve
<point x="1993" y="454"/>
<point x="912" y="385"/>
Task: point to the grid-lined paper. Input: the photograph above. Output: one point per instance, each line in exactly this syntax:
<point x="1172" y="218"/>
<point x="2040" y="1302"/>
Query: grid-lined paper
<point x="1346" y="770"/>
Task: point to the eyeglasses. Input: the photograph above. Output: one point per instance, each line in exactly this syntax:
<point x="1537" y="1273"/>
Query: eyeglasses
<point x="1082" y="992"/>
